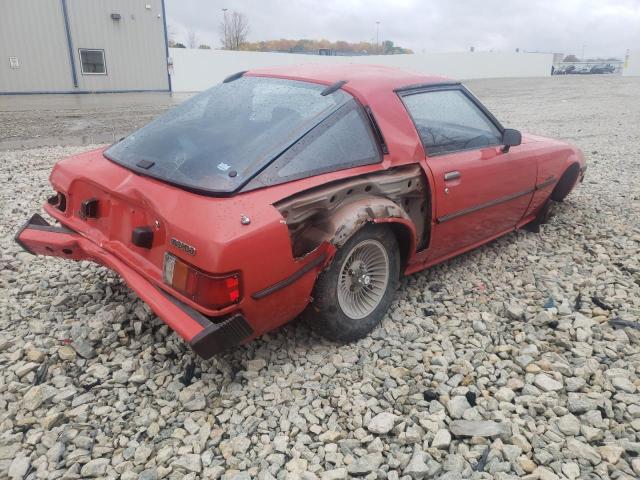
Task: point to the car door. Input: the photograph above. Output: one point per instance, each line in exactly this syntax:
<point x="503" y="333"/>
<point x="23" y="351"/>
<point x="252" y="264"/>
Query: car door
<point x="480" y="191"/>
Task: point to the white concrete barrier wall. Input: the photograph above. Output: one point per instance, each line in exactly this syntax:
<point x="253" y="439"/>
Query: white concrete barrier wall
<point x="196" y="70"/>
<point x="633" y="64"/>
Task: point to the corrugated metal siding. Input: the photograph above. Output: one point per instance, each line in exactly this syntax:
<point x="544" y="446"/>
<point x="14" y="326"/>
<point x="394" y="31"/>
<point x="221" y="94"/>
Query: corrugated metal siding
<point x="134" y="45"/>
<point x="34" y="31"/>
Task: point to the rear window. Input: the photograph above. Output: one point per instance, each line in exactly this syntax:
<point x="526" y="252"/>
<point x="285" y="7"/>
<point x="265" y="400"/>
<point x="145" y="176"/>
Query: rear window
<point x="343" y="140"/>
<point x="217" y="140"/>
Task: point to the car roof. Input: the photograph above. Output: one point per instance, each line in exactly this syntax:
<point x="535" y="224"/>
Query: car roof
<point x="362" y="80"/>
<point x="374" y="86"/>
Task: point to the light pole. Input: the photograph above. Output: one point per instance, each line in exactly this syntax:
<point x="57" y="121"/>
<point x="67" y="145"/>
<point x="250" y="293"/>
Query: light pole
<point x="377" y="37"/>
<point x="224" y="24"/>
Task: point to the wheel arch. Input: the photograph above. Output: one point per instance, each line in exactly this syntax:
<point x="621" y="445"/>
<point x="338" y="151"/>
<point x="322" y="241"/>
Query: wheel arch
<point x="566" y="183"/>
<point x="334" y="212"/>
<point x="405" y="233"/>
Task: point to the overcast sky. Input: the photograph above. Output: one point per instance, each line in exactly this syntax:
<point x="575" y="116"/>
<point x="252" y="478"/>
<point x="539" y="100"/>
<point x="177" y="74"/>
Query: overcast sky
<point x="604" y="27"/>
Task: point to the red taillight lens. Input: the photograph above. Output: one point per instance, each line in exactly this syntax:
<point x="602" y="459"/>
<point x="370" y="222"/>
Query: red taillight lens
<point x="214" y="292"/>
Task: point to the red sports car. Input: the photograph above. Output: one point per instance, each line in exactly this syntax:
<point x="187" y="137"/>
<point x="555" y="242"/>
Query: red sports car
<point x="293" y="190"/>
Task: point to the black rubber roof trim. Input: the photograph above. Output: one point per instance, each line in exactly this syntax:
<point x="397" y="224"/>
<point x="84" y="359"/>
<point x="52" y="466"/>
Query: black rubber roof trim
<point x="376" y="130"/>
<point x="332" y="88"/>
<point x="235" y="76"/>
<point x="420" y="86"/>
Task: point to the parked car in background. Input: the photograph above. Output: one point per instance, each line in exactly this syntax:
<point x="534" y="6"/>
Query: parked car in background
<point x="602" y="69"/>
<point x="290" y="190"/>
<point x="581" y="70"/>
<point x="564" y="70"/>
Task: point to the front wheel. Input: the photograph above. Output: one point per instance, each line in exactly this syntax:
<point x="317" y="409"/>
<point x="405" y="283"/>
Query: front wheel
<point x="352" y="296"/>
<point x="542" y="217"/>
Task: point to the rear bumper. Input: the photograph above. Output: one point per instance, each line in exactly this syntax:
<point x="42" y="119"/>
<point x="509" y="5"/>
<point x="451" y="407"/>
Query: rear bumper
<point x="205" y="337"/>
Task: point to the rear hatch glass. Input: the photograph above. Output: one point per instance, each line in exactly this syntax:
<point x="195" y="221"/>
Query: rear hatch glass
<point x="216" y="141"/>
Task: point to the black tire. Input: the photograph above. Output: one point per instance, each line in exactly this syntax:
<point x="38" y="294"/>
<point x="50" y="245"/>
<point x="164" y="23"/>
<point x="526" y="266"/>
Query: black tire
<point x="325" y="313"/>
<point x="542" y="217"/>
<point x="566" y="183"/>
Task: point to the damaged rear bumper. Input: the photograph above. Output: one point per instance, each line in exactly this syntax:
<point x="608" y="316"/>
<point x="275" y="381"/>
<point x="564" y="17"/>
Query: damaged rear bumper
<point x="205" y="337"/>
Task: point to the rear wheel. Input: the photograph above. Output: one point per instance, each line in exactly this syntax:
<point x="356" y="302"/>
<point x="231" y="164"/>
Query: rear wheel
<point x="352" y="296"/>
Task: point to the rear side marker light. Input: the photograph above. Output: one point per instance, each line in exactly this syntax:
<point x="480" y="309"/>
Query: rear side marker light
<point x="211" y="291"/>
<point x="89" y="208"/>
<point x="142" y="237"/>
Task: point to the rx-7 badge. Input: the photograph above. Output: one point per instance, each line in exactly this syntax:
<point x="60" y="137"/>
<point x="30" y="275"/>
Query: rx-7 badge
<point x="185" y="247"/>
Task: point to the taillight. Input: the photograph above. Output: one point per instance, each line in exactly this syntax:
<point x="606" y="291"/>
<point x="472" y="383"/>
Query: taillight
<point x="214" y="292"/>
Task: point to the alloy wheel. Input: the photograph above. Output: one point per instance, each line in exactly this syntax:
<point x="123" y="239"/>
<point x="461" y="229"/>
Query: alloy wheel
<point x="363" y="279"/>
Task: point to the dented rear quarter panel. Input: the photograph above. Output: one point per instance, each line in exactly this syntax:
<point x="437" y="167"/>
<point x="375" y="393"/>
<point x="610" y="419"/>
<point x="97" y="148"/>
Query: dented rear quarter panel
<point x="261" y="251"/>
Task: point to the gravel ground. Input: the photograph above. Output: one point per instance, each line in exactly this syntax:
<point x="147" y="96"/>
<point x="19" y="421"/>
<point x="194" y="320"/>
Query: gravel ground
<point x="502" y="363"/>
<point x="39" y="120"/>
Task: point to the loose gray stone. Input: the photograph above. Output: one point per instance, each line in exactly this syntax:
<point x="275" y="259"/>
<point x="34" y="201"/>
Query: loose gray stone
<point x="19" y="467"/>
<point x="624" y="384"/>
<point x="456" y="406"/>
<point x="569" y="425"/>
<point x="504" y="394"/>
<point x="511" y="452"/>
<point x="33" y="398"/>
<point x="382" y="423"/>
<point x="417" y="467"/>
<point x="453" y="463"/>
<point x="442" y="439"/>
<point x="95" y="468"/>
<point x="515" y="312"/>
<point x="365" y="464"/>
<point x="84" y="349"/>
<point x="478" y="428"/>
<point x="583" y="450"/>
<point x="578" y="403"/>
<point x="336" y="474"/>
<point x="189" y="462"/>
<point x="611" y="453"/>
<point x="546" y="383"/>
<point x="571" y="470"/>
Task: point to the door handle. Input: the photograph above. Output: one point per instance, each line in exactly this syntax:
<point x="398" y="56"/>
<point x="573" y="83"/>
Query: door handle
<point x="452" y="175"/>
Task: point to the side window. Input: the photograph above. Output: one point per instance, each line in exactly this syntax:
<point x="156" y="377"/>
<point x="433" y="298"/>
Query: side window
<point x="343" y="140"/>
<point x="447" y="121"/>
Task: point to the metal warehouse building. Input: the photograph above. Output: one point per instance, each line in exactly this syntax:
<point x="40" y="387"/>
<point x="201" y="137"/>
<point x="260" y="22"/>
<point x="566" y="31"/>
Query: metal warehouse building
<point x="79" y="46"/>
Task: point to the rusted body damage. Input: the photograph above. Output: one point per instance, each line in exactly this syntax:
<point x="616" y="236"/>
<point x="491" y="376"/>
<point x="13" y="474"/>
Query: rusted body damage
<point x="333" y="213"/>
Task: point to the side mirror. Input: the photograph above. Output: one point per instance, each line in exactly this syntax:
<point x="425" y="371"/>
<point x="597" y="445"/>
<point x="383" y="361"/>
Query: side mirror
<point x="510" y="138"/>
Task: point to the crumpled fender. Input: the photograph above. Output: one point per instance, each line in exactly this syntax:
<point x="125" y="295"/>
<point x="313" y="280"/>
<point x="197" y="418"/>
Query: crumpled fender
<point x="353" y="216"/>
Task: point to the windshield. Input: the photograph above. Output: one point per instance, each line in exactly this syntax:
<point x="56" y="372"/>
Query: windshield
<point x="217" y="140"/>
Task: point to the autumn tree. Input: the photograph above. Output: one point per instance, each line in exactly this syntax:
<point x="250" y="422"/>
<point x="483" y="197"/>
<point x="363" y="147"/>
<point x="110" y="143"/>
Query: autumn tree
<point x="234" y="30"/>
<point x="313" y="46"/>
<point x="192" y="39"/>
